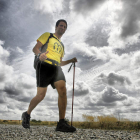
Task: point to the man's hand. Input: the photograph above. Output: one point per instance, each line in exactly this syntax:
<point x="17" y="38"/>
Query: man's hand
<point x="43" y="56"/>
<point x="74" y="60"/>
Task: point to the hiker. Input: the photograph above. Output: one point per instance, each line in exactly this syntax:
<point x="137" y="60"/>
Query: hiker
<point x="49" y="71"/>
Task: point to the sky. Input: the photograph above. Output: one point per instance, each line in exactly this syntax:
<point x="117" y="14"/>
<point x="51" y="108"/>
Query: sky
<point x="103" y="35"/>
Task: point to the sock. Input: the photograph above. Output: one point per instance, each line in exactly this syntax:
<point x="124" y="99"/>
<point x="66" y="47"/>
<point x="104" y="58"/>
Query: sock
<point x="61" y="120"/>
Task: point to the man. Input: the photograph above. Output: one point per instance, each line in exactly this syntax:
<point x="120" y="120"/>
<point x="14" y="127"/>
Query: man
<point x="48" y="71"/>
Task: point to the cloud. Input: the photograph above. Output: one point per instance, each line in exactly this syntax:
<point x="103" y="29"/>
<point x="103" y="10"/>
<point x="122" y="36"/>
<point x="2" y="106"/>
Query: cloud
<point x="3" y="6"/>
<point x="115" y="79"/>
<point x="97" y="34"/>
<point x="135" y="61"/>
<point x="130" y="18"/>
<point x="80" y="89"/>
<point x="19" y="50"/>
<point x="4" y="54"/>
<point x="17" y="86"/>
<point x="24" y="62"/>
<point x="2" y="99"/>
<point x="49" y="6"/>
<point x="86" y="6"/>
<point x="109" y="100"/>
<point x="129" y="101"/>
<point x="111" y="95"/>
<point x="21" y="87"/>
<point x="124" y="23"/>
<point x="106" y="98"/>
<point x="5" y="70"/>
<point x="20" y="27"/>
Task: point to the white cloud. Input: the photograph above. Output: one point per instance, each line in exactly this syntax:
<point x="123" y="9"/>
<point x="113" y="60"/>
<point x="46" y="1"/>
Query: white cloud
<point x="4" y="54"/>
<point x="1" y="42"/>
<point x="5" y="70"/>
<point x="125" y="24"/>
<point x="111" y="95"/>
<point x="19" y="50"/>
<point x="24" y="62"/>
<point x="135" y="61"/>
<point x="17" y="86"/>
<point x="47" y="6"/>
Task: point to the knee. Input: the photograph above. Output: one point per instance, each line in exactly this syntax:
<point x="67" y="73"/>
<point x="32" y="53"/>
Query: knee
<point x="41" y="96"/>
<point x="62" y="91"/>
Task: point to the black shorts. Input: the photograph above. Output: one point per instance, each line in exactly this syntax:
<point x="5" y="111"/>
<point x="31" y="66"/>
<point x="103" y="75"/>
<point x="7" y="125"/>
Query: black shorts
<point x="48" y="74"/>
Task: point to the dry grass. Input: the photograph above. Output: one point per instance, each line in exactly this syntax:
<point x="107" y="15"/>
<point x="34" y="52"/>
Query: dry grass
<point x="90" y="122"/>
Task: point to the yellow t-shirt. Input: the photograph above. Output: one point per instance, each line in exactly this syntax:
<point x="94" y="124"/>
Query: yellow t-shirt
<point x="54" y="47"/>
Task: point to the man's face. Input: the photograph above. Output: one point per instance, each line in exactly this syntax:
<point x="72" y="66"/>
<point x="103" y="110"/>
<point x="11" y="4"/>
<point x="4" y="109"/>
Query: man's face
<point x="61" y="28"/>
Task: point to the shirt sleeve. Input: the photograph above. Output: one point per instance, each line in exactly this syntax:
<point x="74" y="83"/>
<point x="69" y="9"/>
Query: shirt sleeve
<point x="43" y="38"/>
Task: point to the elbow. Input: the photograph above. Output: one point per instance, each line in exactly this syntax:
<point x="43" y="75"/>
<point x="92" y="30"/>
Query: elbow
<point x="61" y="64"/>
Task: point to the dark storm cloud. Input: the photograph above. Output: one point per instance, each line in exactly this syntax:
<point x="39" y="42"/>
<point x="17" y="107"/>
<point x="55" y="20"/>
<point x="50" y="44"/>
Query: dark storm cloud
<point x="17" y="93"/>
<point x="3" y="6"/>
<point x="10" y="90"/>
<point x="86" y="6"/>
<point x="21" y="24"/>
<point x="2" y="98"/>
<point x="130" y="18"/>
<point x="128" y="50"/>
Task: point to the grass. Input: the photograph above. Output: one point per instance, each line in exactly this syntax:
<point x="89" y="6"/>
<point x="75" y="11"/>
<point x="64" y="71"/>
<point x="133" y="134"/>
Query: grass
<point x="90" y="122"/>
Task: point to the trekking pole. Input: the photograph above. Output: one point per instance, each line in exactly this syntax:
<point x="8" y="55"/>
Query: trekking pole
<point x="73" y="89"/>
<point x="73" y="92"/>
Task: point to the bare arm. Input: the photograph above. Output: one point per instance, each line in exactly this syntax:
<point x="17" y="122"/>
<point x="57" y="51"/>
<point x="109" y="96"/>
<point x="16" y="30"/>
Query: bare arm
<point x="36" y="50"/>
<point x="63" y="63"/>
<point x="37" y="47"/>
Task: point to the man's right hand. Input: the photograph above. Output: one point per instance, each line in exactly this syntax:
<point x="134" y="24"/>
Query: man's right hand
<point x="43" y="56"/>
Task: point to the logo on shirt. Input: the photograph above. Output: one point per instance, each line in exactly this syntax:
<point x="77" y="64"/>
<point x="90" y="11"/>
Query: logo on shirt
<point x="57" y="47"/>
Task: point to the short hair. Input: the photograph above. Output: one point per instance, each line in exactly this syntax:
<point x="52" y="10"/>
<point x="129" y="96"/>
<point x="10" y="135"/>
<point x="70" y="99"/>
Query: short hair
<point x="61" y="20"/>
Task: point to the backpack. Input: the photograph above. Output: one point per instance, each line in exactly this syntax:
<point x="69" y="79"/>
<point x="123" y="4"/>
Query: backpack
<point x="44" y="48"/>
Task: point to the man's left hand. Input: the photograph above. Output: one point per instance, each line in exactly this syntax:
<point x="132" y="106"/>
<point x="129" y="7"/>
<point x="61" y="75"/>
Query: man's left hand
<point x="74" y="60"/>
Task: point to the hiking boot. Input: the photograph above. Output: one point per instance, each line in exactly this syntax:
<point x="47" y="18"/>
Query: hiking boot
<point x="25" y="120"/>
<point x="63" y="126"/>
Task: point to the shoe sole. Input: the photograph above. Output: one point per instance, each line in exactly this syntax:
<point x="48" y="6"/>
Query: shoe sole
<point x="64" y="130"/>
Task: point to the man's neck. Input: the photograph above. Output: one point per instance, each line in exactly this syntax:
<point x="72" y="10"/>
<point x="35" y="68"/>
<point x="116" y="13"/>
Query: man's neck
<point x="58" y="36"/>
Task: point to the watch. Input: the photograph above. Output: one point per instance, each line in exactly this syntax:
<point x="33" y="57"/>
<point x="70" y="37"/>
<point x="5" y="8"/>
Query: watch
<point x="38" y="55"/>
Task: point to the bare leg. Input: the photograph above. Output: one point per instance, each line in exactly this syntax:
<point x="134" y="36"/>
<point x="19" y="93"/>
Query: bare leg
<point x="41" y="92"/>
<point x="62" y="98"/>
<point x="62" y="103"/>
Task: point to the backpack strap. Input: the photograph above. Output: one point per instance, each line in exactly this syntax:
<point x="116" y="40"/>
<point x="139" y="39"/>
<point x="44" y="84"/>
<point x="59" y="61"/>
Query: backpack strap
<point x="59" y="41"/>
<point x="45" y="46"/>
<point x="43" y="49"/>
